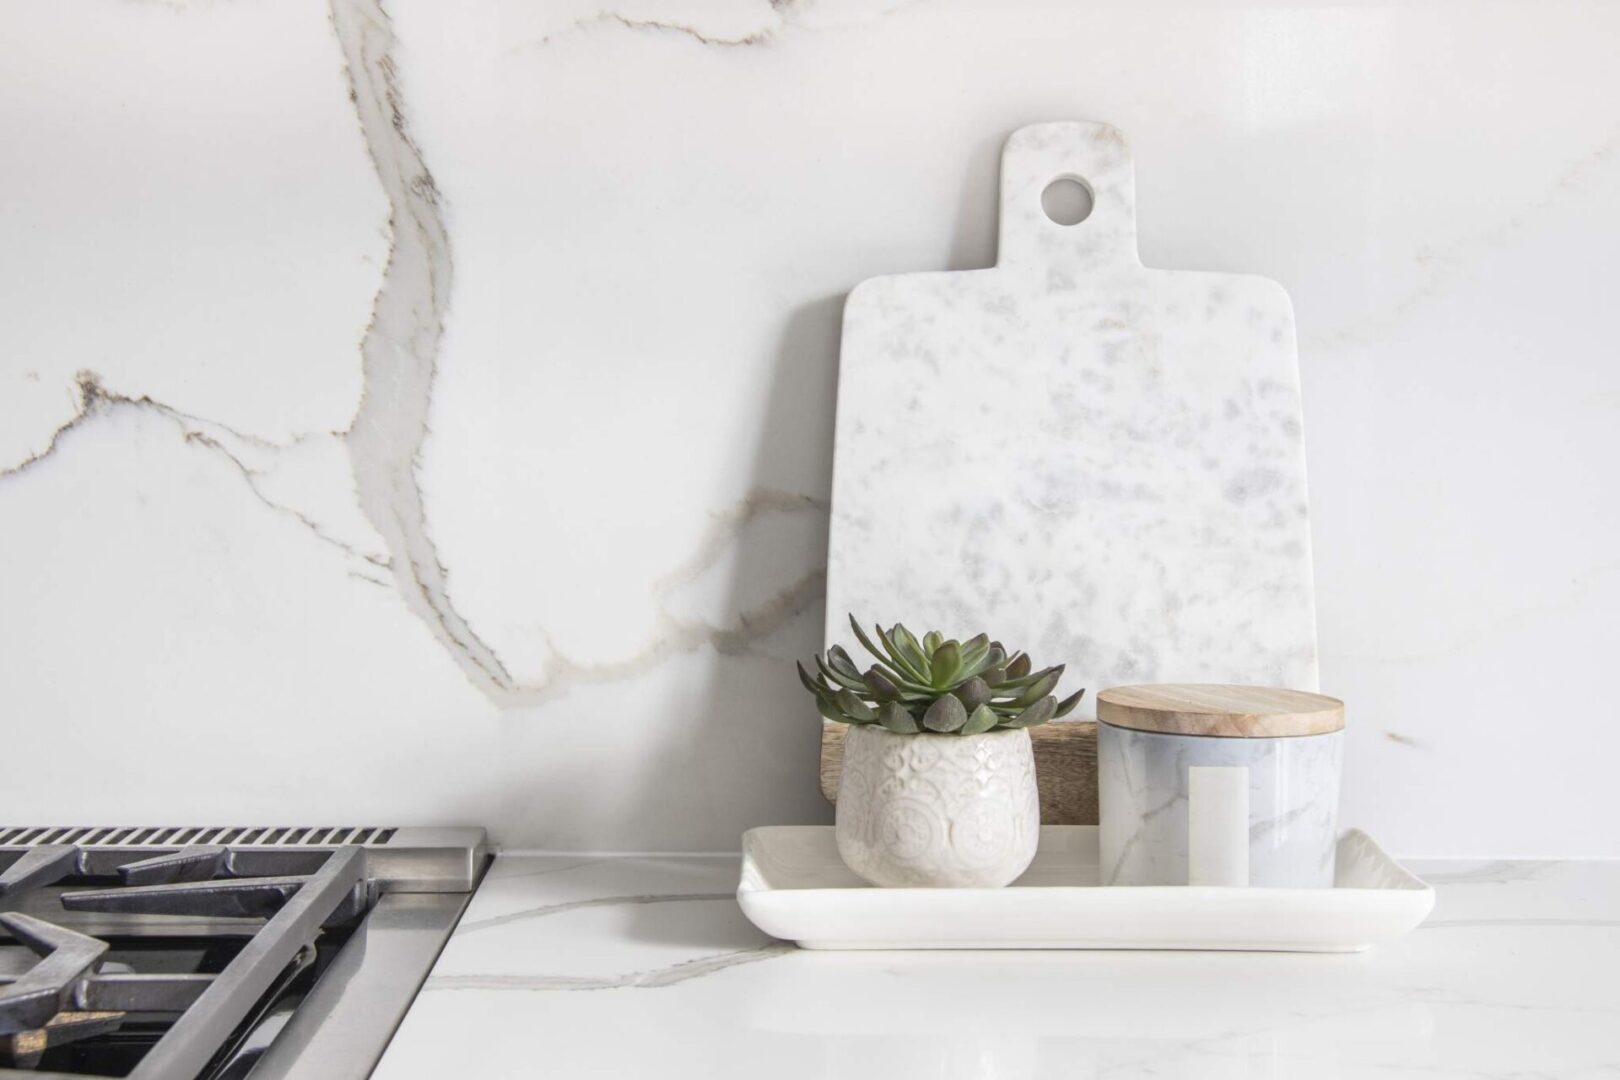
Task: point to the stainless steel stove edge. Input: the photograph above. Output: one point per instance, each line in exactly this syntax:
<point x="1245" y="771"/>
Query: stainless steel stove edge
<point x="400" y="860"/>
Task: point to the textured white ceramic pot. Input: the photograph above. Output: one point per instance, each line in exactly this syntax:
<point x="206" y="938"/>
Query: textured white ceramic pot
<point x="938" y="811"/>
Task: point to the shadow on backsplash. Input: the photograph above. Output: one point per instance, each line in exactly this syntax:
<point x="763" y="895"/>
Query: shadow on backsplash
<point x="746" y="749"/>
<point x="771" y="733"/>
<point x="736" y="745"/>
<point x="973" y="241"/>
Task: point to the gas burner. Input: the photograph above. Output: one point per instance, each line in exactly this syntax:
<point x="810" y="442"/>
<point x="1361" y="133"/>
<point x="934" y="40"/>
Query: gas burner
<point x="189" y="953"/>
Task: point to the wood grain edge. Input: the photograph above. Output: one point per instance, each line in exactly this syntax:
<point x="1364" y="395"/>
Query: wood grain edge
<point x="1065" y="768"/>
<point x="1220" y="710"/>
<point x="1222" y="725"/>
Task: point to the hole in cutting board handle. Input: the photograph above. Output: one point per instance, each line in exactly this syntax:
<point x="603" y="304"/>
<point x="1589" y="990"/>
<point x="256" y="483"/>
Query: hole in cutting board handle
<point x="1067" y="200"/>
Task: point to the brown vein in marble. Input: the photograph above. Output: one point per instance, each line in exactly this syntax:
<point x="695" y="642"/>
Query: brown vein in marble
<point x="759" y="37"/>
<point x="643" y="980"/>
<point x="399" y="352"/>
<point x="674" y="636"/>
<point x="96" y="400"/>
<point x="775" y="17"/>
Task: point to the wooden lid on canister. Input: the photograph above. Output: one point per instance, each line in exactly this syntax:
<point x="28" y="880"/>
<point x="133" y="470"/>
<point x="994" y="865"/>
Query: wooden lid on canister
<point x="1234" y="712"/>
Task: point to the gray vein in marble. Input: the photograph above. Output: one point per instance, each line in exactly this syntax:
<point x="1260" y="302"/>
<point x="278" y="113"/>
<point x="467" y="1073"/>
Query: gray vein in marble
<point x="1441" y="265"/>
<point x="1175" y="1054"/>
<point x="1493" y="873"/>
<point x="400" y="356"/>
<point x="1260" y="830"/>
<point x="656" y="978"/>
<point x="399" y="352"/>
<point x="1174" y="1058"/>
<point x="1440" y="996"/>
<point x="1400" y="739"/>
<point x="674" y="636"/>
<point x="496" y="874"/>
<point x="96" y="400"/>
<point x="591" y="902"/>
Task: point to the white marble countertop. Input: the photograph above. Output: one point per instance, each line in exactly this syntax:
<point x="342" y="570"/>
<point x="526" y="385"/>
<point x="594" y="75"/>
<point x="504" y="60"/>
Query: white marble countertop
<point x="643" y="966"/>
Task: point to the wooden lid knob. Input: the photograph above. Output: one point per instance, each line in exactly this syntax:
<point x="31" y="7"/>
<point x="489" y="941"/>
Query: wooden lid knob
<point x="1234" y="712"/>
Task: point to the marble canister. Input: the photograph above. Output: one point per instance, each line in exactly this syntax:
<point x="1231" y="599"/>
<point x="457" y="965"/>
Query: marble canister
<point x="1288" y="746"/>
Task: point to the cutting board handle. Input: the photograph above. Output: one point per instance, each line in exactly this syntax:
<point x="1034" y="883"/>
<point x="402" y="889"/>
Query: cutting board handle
<point x="1097" y="156"/>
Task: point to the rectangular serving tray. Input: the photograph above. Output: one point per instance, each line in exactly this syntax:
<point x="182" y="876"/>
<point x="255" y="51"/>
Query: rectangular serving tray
<point x="794" y="886"/>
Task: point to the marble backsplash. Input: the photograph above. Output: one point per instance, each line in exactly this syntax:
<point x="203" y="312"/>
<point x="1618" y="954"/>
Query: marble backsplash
<point x="415" y="412"/>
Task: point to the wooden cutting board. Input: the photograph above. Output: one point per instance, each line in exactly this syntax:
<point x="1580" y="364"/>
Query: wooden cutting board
<point x="1093" y="461"/>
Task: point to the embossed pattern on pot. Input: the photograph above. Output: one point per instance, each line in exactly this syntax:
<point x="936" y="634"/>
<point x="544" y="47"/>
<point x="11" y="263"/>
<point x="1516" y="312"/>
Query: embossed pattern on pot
<point x="938" y="811"/>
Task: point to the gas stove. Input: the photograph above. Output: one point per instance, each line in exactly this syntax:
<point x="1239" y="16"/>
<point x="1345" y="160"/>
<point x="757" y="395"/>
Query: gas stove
<point x="214" y="953"/>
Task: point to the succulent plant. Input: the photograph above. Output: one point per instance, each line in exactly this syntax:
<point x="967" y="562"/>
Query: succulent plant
<point x="935" y="685"/>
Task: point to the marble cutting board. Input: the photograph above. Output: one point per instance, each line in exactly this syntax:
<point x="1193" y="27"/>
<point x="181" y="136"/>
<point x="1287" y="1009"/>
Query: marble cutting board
<point x="1094" y="461"/>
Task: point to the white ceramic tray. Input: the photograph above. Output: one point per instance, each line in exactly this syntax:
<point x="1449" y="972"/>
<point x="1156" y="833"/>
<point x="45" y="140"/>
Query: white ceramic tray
<point x="794" y="886"/>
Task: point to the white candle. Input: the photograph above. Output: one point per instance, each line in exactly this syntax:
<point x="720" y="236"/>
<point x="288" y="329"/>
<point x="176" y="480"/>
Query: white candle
<point x="1217" y="825"/>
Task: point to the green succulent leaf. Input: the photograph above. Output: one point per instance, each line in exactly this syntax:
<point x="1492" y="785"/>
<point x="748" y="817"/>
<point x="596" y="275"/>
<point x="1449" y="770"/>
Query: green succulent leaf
<point x="937" y="684"/>
<point x="898" y="719"/>
<point x="974" y="693"/>
<point x="812" y="685"/>
<point x="903" y="681"/>
<point x="975" y="653"/>
<point x="854" y="708"/>
<point x="1066" y="706"/>
<point x="840" y="662"/>
<point x="1038" y="713"/>
<point x="946" y="664"/>
<point x="1040" y="687"/>
<point x="866" y="642"/>
<point x="880" y="685"/>
<point x="912" y="649"/>
<point x="833" y="677"/>
<point x="901" y="661"/>
<point x="946" y="714"/>
<point x="980" y="720"/>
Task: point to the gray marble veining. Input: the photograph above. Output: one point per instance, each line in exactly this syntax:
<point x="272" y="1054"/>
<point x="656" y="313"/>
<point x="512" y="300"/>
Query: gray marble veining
<point x="1098" y="462"/>
<point x="1515" y="980"/>
<point x="187" y="339"/>
<point x="1293" y="787"/>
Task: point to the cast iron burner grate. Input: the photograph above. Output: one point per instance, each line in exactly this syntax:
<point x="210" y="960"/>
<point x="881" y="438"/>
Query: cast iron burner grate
<point x="201" y="952"/>
<point x="67" y="997"/>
